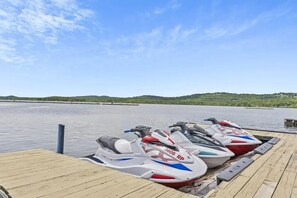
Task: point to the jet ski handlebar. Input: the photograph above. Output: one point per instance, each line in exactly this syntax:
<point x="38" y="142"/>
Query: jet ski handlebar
<point x="213" y="120"/>
<point x="142" y="131"/>
<point x="196" y="128"/>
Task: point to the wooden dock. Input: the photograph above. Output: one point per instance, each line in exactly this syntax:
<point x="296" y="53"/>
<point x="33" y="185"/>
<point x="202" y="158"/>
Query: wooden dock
<point x="43" y="173"/>
<point x="273" y="174"/>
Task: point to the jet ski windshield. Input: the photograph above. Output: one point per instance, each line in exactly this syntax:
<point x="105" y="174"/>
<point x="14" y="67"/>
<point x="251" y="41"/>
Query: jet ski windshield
<point x="165" y="145"/>
<point x="196" y="128"/>
<point x="201" y="139"/>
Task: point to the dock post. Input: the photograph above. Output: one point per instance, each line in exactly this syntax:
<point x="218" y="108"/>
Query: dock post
<point x="60" y="147"/>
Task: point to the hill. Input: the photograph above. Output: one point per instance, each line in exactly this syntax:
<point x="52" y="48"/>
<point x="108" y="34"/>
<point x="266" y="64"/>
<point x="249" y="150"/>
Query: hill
<point x="213" y="99"/>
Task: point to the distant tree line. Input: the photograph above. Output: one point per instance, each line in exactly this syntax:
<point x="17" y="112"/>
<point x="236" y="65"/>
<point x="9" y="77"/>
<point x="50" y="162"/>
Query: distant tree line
<point x="212" y="99"/>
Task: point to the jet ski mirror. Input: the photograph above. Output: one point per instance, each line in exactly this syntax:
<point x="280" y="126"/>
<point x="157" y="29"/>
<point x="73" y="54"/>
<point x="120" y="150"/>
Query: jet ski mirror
<point x="213" y="120"/>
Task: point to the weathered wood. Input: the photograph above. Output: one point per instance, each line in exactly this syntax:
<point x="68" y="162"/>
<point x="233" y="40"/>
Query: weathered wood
<point x="285" y="186"/>
<point x="266" y="174"/>
<point x="294" y="191"/>
<point x="69" y="181"/>
<point x="148" y="191"/>
<point x="266" y="190"/>
<point x="252" y="186"/>
<point x="42" y="173"/>
<point x="232" y="188"/>
<point x="92" y="185"/>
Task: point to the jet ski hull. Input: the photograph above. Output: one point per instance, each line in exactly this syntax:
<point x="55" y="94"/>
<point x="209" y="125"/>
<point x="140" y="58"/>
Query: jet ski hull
<point x="212" y="154"/>
<point x="241" y="149"/>
<point x="156" y="173"/>
<point x="214" y="162"/>
<point x="179" y="184"/>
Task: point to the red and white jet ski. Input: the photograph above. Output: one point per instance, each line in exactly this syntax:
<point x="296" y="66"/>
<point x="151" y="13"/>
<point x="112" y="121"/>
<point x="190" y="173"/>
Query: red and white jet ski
<point x="232" y="136"/>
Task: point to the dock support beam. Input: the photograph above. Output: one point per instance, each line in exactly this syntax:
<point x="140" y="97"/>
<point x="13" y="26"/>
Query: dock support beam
<point x="60" y="147"/>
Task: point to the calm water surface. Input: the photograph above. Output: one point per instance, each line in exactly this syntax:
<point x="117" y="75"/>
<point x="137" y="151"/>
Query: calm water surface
<point x="26" y="126"/>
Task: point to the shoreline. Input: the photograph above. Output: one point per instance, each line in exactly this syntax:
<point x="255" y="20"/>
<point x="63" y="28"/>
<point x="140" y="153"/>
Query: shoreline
<point x="70" y="102"/>
<point x="137" y="104"/>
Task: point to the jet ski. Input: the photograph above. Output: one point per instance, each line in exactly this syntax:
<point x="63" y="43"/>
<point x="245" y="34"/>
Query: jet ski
<point x="232" y="135"/>
<point x="224" y="123"/>
<point x="241" y="142"/>
<point x="210" y="150"/>
<point x="152" y="155"/>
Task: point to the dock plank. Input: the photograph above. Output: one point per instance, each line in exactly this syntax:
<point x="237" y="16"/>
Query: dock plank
<point x="49" y="186"/>
<point x="91" y="186"/>
<point x="120" y="187"/>
<point x="266" y="190"/>
<point x="148" y="191"/>
<point x="285" y="186"/>
<point x="294" y="191"/>
<point x="43" y="173"/>
<point x="262" y="178"/>
<point x="252" y="186"/>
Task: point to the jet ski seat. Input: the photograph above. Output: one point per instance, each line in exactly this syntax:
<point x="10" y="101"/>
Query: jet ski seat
<point x="117" y="145"/>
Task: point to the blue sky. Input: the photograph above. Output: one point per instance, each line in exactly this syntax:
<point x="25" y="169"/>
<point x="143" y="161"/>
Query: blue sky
<point x="156" y="47"/>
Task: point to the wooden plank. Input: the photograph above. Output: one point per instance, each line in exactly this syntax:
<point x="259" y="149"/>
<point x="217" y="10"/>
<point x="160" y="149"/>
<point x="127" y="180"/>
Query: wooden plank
<point x="45" y="167"/>
<point x="294" y="191"/>
<point x="278" y="167"/>
<point x="33" y="162"/>
<point x="172" y="194"/>
<point x="27" y="159"/>
<point x="186" y="195"/>
<point x="266" y="190"/>
<point x="123" y="189"/>
<point x="57" y="184"/>
<point x="17" y="154"/>
<point x="90" y="186"/>
<point x="33" y="168"/>
<point x="261" y="178"/>
<point x="275" y="157"/>
<point x="151" y="190"/>
<point x="118" y="186"/>
<point x="256" y="156"/>
<point x="37" y="177"/>
<point x="46" y="174"/>
<point x="13" y="159"/>
<point x="292" y="165"/>
<point x="285" y="186"/>
<point x="254" y="167"/>
<point x="232" y="188"/>
<point x="252" y="186"/>
<point x="221" y="186"/>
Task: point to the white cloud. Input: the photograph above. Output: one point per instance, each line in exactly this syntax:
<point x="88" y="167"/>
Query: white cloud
<point x="218" y="31"/>
<point x="37" y="20"/>
<point x="221" y="30"/>
<point x="7" y="51"/>
<point x="171" y="5"/>
<point x="158" y="40"/>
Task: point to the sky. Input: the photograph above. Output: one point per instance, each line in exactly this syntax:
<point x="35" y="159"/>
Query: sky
<point x="147" y="47"/>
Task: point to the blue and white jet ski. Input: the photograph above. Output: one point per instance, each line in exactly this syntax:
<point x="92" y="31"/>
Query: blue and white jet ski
<point x="153" y="156"/>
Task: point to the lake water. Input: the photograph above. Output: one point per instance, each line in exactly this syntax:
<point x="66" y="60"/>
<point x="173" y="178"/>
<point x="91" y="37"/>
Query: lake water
<point x="26" y="126"/>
